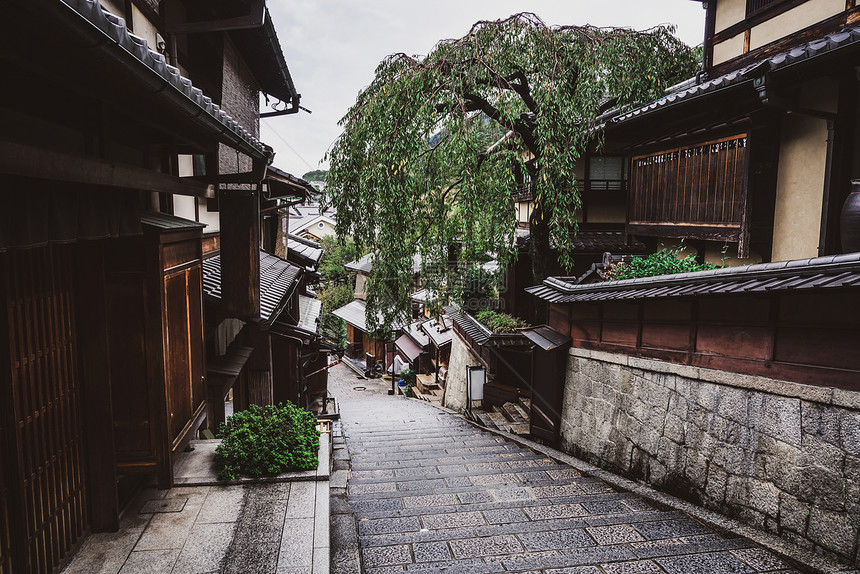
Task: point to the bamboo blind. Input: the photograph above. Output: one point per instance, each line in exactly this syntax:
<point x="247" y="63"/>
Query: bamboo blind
<point x="699" y="185"/>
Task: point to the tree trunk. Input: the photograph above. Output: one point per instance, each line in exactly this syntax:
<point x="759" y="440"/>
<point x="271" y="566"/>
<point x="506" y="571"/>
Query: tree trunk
<point x="540" y="251"/>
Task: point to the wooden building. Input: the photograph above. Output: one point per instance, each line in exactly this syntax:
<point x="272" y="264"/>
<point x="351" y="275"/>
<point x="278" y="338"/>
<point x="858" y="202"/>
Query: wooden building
<point x="728" y="385"/>
<point x="103" y="346"/>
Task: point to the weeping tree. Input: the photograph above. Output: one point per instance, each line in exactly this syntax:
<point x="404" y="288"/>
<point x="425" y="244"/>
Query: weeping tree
<point x="429" y="155"/>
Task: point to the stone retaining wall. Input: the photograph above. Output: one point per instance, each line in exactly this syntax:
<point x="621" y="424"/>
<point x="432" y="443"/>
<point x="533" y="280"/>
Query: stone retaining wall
<point x="780" y="456"/>
<point x="455" y="384"/>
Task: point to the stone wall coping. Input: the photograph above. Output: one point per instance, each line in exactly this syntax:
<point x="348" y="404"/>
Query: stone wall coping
<point x="824" y="395"/>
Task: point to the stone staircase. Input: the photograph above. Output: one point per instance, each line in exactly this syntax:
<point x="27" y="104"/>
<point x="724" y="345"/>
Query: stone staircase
<point x="510" y="417"/>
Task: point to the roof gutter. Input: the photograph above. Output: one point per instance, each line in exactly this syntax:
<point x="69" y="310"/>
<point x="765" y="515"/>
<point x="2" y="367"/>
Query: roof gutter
<point x="108" y="36"/>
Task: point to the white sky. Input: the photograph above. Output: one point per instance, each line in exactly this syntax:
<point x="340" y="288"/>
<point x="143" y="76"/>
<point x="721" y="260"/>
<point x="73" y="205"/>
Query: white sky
<point x="332" y="48"/>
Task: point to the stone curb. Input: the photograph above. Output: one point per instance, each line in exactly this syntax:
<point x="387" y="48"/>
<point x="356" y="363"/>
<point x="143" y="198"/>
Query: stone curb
<point x="322" y="472"/>
<point x="815" y="563"/>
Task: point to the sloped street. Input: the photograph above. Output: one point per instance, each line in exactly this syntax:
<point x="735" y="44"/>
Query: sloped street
<point x="433" y="493"/>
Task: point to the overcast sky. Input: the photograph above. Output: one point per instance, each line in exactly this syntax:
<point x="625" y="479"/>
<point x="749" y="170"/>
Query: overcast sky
<point x="332" y="48"/>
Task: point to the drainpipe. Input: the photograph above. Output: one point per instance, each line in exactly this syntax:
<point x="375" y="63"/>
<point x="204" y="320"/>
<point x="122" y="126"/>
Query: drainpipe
<point x="825" y="201"/>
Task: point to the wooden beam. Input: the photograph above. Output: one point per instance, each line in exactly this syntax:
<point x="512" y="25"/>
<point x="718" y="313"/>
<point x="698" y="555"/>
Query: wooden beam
<point x="40" y="163"/>
<point x="708" y="232"/>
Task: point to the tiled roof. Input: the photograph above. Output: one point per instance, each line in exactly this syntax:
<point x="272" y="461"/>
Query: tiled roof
<point x="168" y="222"/>
<point x="365" y="264"/>
<point x="440" y="331"/>
<point x="417" y="334"/>
<point x="115" y="30"/>
<point x="277" y="280"/>
<point x="835" y="271"/>
<point x="353" y="313"/>
<point x="408" y="347"/>
<point x="481" y="335"/>
<point x="310" y="310"/>
<point x="848" y="38"/>
<point x="303" y="251"/>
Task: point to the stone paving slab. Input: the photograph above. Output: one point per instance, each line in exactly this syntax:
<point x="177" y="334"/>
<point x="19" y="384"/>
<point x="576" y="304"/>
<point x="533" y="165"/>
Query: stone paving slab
<point x="252" y="527"/>
<point x="433" y="493"/>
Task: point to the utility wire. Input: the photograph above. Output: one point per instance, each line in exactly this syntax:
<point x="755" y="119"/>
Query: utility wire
<point x="292" y="149"/>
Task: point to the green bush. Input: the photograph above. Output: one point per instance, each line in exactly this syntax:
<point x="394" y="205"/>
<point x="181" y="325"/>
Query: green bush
<point x="265" y="441"/>
<point x="664" y="262"/>
<point x="500" y="322"/>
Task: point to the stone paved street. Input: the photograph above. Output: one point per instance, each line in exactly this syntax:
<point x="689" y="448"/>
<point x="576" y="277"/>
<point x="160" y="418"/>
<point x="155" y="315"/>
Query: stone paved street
<point x="433" y="493"/>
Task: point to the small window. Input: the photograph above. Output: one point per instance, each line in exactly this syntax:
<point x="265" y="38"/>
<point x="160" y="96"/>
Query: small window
<point x="607" y="173"/>
<point x="755" y="6"/>
<point x="320" y="224"/>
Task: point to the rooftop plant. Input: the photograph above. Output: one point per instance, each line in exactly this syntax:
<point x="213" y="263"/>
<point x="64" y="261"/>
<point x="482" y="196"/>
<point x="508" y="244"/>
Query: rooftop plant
<point x="500" y="322"/>
<point x="664" y="262"/>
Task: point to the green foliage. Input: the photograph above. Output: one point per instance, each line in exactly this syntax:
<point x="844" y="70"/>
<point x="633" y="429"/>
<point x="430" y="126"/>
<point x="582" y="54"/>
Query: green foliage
<point x="664" y="262"/>
<point x="337" y="286"/>
<point x="500" y="322"/>
<point x="334" y="296"/>
<point x="426" y="161"/>
<point x="409" y="377"/>
<point x="265" y="441"/>
<point x="337" y="253"/>
<point x="315" y="175"/>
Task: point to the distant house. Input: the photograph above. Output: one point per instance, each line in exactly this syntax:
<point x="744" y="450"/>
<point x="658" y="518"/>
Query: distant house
<point x="727" y="386"/>
<point x="307" y="221"/>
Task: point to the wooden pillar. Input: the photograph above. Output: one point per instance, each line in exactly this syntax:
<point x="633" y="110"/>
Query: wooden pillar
<point x="96" y="386"/>
<point x="260" y="390"/>
<point x="239" y="212"/>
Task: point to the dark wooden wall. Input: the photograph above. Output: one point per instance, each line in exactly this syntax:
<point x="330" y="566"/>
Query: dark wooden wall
<point x="809" y="337"/>
<point x="43" y="496"/>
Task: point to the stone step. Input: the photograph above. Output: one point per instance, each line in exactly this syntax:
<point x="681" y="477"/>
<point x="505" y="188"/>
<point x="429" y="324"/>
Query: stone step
<point x="513" y="413"/>
<point x="499" y="420"/>
<point x="521" y="429"/>
<point x="525" y="403"/>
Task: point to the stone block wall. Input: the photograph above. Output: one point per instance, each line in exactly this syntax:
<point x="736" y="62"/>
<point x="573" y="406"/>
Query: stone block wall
<point x="455" y="384"/>
<point x="780" y="456"/>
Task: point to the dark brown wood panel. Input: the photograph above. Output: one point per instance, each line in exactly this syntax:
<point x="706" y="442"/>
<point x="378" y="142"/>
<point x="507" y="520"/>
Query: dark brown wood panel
<point x="46" y="409"/>
<point x="585" y="330"/>
<point x="745" y="341"/>
<point x="742" y="309"/>
<point x="822" y="346"/>
<point x="675" y="336"/>
<point x="197" y="351"/>
<point x="558" y="318"/>
<point x="6" y="464"/>
<point x="178" y="341"/>
<point x="134" y="432"/>
<point x="181" y="253"/>
<point x="810" y="337"/>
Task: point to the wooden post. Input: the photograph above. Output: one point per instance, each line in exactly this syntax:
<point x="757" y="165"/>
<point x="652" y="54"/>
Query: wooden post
<point x="240" y="252"/>
<point x="96" y="386"/>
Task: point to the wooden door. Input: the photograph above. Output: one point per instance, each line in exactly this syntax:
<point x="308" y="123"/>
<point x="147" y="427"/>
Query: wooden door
<point x="183" y="348"/>
<point x="548" y="368"/>
<point x="43" y="452"/>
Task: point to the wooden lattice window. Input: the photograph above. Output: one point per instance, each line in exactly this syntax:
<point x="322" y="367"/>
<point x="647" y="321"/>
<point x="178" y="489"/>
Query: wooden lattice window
<point x="697" y="191"/>
<point x="756" y="6"/>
